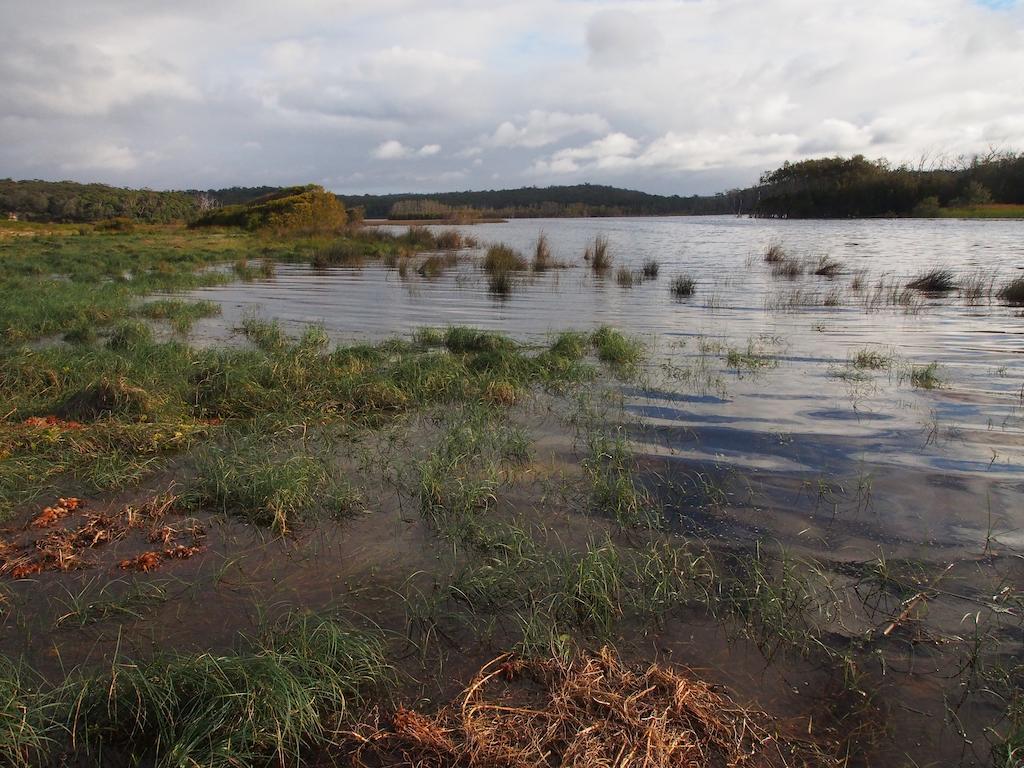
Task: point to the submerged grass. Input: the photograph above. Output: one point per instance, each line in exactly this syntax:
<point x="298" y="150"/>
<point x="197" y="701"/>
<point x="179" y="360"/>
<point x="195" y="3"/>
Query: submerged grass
<point x="1013" y="292"/>
<point x="937" y="280"/>
<point x="683" y="286"/>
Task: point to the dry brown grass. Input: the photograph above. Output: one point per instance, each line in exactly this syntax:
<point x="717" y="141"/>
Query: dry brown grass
<point x="592" y="711"/>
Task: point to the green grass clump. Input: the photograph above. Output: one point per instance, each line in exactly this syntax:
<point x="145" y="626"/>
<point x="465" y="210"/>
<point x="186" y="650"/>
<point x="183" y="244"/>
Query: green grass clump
<point x="682" y="286"/>
<point x="1013" y="292"/>
<point x="616" y="349"/>
<point x="130" y="334"/>
<point x="182" y="315"/>
<point x="272" y="702"/>
<point x="266" y="488"/>
<point x="502" y="258"/>
<point x="871" y="359"/>
<point x="462" y="339"/>
<point x="428" y="337"/>
<point x="925" y="376"/>
<point x="265" y="334"/>
<point x="81" y="334"/>
<point x="615" y="492"/>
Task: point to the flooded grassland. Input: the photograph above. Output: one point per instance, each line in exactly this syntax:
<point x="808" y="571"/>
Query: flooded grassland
<point x="402" y="496"/>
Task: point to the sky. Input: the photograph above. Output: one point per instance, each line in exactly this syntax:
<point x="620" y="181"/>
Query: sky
<point x="667" y="96"/>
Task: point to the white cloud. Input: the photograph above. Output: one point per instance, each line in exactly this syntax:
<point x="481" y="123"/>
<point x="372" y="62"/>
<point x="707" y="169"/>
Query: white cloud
<point x="542" y="128"/>
<point x="650" y="94"/>
<point x="396" y="150"/>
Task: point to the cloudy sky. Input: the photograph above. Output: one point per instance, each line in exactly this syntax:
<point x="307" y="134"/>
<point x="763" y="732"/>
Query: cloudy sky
<point x="675" y="96"/>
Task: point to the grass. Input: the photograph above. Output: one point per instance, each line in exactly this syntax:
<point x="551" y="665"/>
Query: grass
<point x="598" y="254"/>
<point x="650" y="269"/>
<point x="925" y="376"/>
<point x="28" y="725"/>
<point x="934" y="281"/>
<point x="542" y="259"/>
<point x="182" y="315"/>
<point x="502" y="258"/>
<point x="627" y="278"/>
<point x="1013" y="292"/>
<point x="683" y="286"/>
<point x="615" y="492"/>
<point x="774" y="253"/>
<point x="272" y="700"/>
<point x="616" y="349"/>
<point x="268" y="488"/>
<point x="871" y="359"/>
<point x="787" y="268"/>
<point x="500" y="284"/>
<point x="92" y="604"/>
<point x="826" y="267"/>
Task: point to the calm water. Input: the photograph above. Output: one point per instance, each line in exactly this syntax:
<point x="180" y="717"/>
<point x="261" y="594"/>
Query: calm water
<point x="916" y="468"/>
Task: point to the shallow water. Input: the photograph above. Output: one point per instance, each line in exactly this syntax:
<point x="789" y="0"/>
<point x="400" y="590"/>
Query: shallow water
<point x="865" y="453"/>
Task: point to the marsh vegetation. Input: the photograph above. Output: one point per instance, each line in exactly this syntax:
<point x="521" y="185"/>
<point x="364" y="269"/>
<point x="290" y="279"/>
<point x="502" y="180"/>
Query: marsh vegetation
<point x="470" y="542"/>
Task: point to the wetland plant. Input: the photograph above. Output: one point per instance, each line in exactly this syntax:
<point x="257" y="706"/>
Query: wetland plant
<point x="683" y="286"/>
<point x="598" y="254"/>
<point x="827" y="267"/>
<point x="934" y="281"/>
<point x="1013" y="292"/>
<point x="503" y="258"/>
<point x="775" y="253"/>
<point x="627" y="278"/>
<point x="925" y="376"/>
<point x="268" y="702"/>
<point x="500" y="284"/>
<point x="615" y="348"/>
<point x="787" y="268"/>
<point x="542" y="259"/>
<point x="650" y="268"/>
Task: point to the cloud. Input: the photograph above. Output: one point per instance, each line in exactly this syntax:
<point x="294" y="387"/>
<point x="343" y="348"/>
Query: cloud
<point x="621" y="38"/>
<point x="542" y="128"/>
<point x="662" y="95"/>
<point x="396" y="150"/>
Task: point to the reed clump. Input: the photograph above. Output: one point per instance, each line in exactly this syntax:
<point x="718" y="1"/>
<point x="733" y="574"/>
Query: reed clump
<point x="503" y="258"/>
<point x="934" y="281"/>
<point x="650" y="269"/>
<point x="1013" y="292"/>
<point x="598" y="255"/>
<point x="542" y="258"/>
<point x="683" y="286"/>
<point x="774" y="253"/>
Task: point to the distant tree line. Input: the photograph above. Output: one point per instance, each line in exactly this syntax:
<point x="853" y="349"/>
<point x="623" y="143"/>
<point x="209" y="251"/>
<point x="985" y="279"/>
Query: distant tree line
<point x="73" y="202"/>
<point x="538" y="202"/>
<point x="856" y="187"/>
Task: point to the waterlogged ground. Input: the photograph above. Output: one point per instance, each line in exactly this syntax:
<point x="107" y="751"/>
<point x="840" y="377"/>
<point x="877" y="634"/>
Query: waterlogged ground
<point x="807" y="488"/>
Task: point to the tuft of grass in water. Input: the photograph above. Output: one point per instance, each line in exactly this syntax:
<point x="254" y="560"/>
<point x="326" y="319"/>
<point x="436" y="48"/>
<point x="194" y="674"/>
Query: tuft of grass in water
<point x="542" y="259"/>
<point x="827" y="267"/>
<point x="270" y="702"/>
<point x="265" y="334"/>
<point x="462" y="339"/>
<point x="500" y="283"/>
<point x="787" y="268"/>
<point x="871" y="359"/>
<point x="616" y="349"/>
<point x="345" y="252"/>
<point x="934" y="281"/>
<point x="130" y="334"/>
<point x="925" y="376"/>
<point x="249" y="481"/>
<point x="571" y="345"/>
<point x="1013" y="292"/>
<point x="614" y="491"/>
<point x="650" y="269"/>
<point x="775" y="253"/>
<point x="502" y="258"/>
<point x="247" y="272"/>
<point x="627" y="278"/>
<point x="682" y="286"/>
<point x="92" y="605"/>
<point x="182" y="315"/>
<point x="598" y="254"/>
<point x="435" y="265"/>
<point x="449" y="240"/>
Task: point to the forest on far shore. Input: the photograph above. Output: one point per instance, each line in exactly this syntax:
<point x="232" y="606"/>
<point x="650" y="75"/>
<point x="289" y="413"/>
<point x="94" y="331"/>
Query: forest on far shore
<point x="832" y="187"/>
